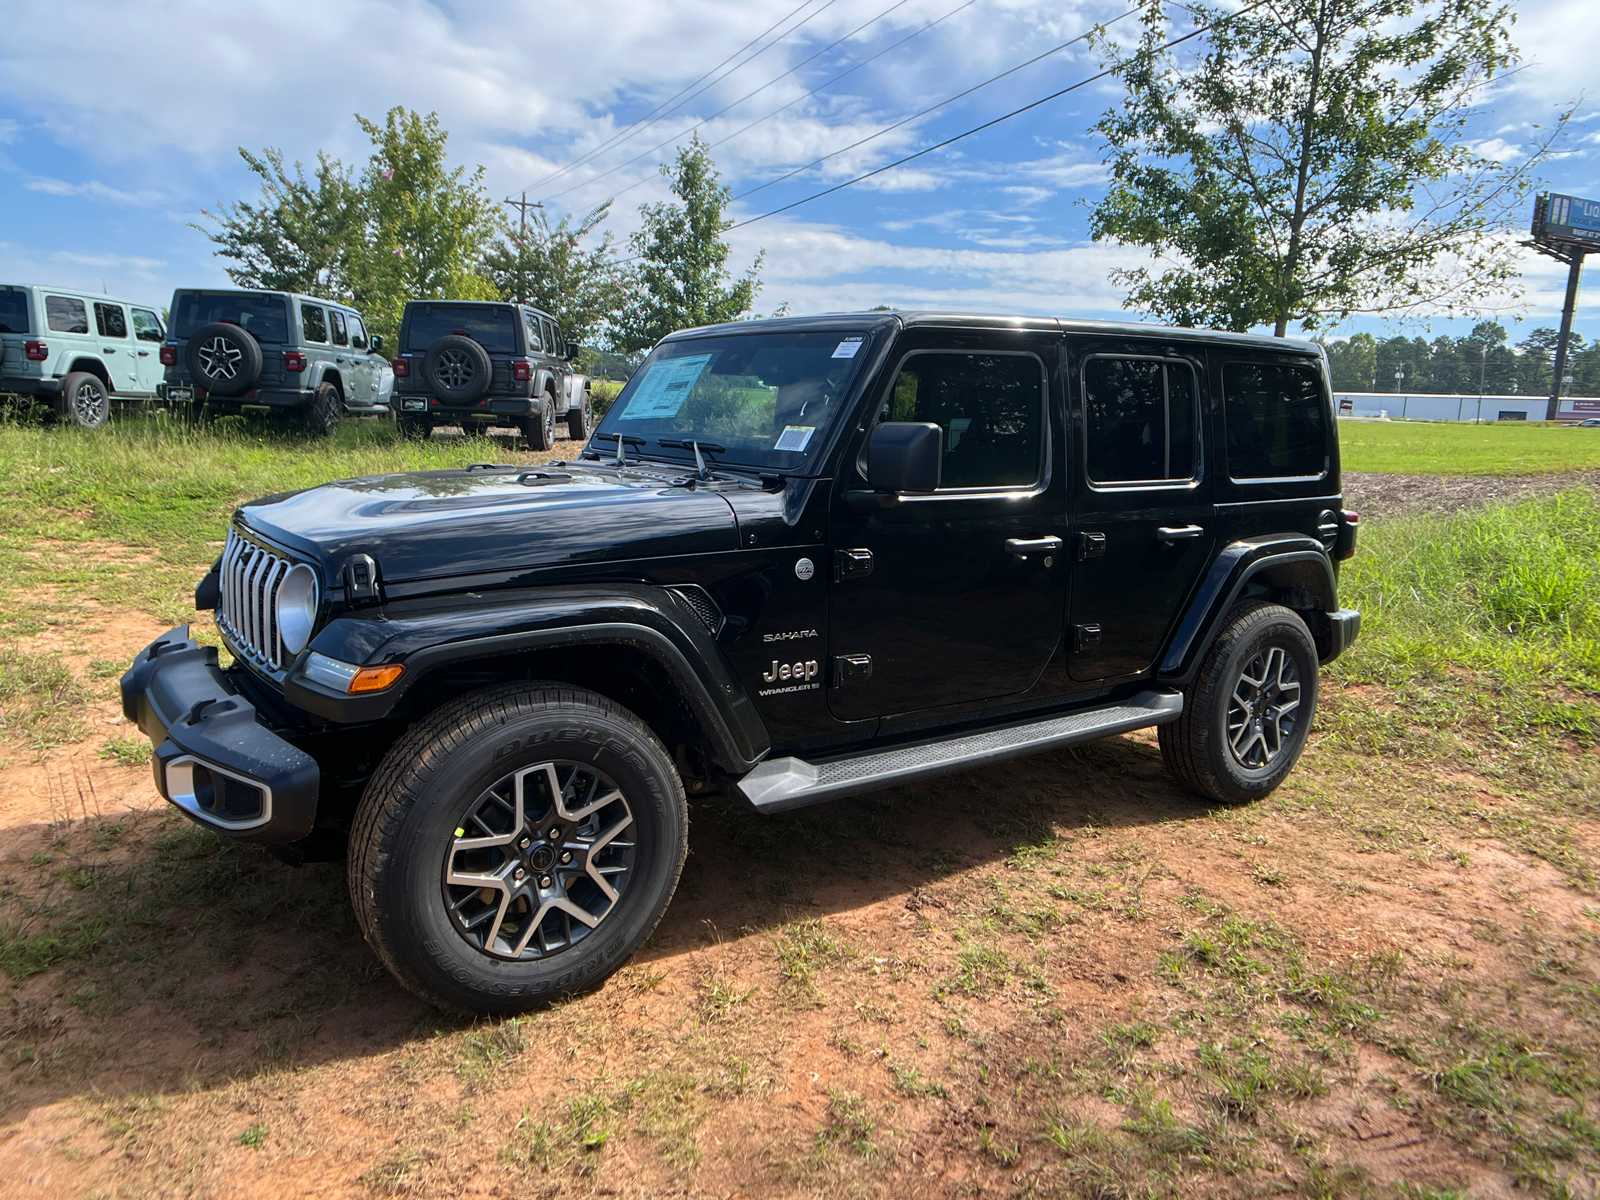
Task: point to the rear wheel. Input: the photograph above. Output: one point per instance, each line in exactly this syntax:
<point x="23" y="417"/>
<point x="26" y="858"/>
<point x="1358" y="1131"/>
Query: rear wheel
<point x="321" y="417"/>
<point x="516" y="846"/>
<point x="540" y="429"/>
<point x="1248" y="711"/>
<point x="414" y="427"/>
<point x="83" y="401"/>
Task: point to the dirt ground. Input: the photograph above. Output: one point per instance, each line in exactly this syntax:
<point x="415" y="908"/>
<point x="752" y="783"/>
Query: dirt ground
<point x="1062" y="976"/>
<point x="1406" y="495"/>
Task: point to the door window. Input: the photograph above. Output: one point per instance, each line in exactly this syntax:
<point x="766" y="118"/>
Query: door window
<point x="990" y="407"/>
<point x="549" y="333"/>
<point x="1277" y="423"/>
<point x="110" y="320"/>
<point x="341" y="336"/>
<point x="147" y="326"/>
<point x="64" y="314"/>
<point x="1139" y="420"/>
<point x="535" y="341"/>
<point x="358" y="333"/>
<point x="314" y="323"/>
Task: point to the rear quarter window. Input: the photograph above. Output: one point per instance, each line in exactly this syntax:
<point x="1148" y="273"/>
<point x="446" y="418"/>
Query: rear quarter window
<point x="64" y="314"/>
<point x="14" y="311"/>
<point x="1277" y="421"/>
<point x="492" y="327"/>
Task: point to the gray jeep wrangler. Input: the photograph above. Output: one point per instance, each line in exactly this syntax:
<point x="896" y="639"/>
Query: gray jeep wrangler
<point x="301" y="356"/>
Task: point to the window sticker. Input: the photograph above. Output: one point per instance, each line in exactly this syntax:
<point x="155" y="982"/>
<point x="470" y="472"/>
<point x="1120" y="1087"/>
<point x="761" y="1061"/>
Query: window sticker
<point x="665" y="388"/>
<point x="848" y="347"/>
<point x="794" y="437"/>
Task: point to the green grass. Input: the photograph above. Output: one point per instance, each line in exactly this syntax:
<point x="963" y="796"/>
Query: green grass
<point x="1445" y="448"/>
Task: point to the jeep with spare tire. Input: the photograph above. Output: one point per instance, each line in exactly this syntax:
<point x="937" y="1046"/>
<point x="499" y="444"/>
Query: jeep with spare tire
<point x="481" y="364"/>
<point x="232" y="351"/>
<point x="798" y="559"/>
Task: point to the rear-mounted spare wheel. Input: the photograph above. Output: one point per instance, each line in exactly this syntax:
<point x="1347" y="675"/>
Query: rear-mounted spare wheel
<point x="457" y="368"/>
<point x="223" y="359"/>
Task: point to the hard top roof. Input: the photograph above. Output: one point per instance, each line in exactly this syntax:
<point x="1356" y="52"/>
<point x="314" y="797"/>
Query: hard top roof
<point x="78" y="294"/>
<point x="485" y="304"/>
<point x="239" y="291"/>
<point x="941" y="320"/>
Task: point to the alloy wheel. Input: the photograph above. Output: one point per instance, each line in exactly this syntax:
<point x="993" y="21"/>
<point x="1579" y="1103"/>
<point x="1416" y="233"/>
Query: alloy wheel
<point x="220" y="358"/>
<point x="455" y="369"/>
<point x="540" y="859"/>
<point x="549" y="423"/>
<point x="1262" y="709"/>
<point x="89" y="404"/>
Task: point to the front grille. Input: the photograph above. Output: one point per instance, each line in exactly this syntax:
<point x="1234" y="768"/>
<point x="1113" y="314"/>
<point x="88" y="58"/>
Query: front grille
<point x="248" y="611"/>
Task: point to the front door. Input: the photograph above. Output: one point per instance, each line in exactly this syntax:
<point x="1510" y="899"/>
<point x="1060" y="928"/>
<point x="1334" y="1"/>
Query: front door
<point x="148" y="336"/>
<point x="1144" y="522"/>
<point x="959" y="595"/>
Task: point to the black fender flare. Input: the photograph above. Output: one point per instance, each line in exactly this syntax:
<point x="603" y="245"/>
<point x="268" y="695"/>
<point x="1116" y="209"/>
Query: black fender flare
<point x="1288" y="559"/>
<point x="545" y="381"/>
<point x="428" y="635"/>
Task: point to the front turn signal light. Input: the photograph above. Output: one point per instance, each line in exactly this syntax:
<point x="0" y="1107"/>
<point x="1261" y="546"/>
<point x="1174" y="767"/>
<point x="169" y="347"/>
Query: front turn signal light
<point x="375" y="679"/>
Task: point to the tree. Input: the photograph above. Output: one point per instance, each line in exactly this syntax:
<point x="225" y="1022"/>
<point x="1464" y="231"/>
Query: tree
<point x="549" y="267"/>
<point x="1308" y="163"/>
<point x="426" y="227"/>
<point x="1353" y="363"/>
<point x="300" y="236"/>
<point x="682" y="278"/>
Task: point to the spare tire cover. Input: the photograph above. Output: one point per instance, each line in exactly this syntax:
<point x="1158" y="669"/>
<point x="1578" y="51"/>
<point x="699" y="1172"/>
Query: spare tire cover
<point x="223" y="359"/>
<point x="458" y="368"/>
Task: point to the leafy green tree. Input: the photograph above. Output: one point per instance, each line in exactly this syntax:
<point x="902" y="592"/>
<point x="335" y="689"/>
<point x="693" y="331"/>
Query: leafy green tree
<point x="426" y="227"/>
<point x="1353" y="363"/>
<point x="1307" y="162"/>
<point x="300" y="236"/>
<point x="549" y="267"/>
<point x="1538" y="352"/>
<point x="682" y="277"/>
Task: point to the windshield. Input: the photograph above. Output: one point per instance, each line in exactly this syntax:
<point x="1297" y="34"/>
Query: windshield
<point x="266" y="318"/>
<point x="757" y="399"/>
<point x="493" y="327"/>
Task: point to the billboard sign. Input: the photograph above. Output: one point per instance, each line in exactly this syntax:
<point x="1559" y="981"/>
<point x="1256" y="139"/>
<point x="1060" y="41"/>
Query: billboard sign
<point x="1569" y="220"/>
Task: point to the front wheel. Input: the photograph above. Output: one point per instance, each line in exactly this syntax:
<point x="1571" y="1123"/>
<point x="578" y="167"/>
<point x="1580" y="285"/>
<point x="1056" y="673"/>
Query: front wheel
<point x="516" y="846"/>
<point x="1248" y="711"/>
<point x="580" y="421"/>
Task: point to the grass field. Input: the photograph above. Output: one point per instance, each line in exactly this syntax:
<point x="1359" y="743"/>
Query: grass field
<point x="1443" y="448"/>
<point x="1059" y="977"/>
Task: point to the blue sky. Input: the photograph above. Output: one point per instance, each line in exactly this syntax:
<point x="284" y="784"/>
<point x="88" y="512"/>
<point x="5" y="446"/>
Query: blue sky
<point x="103" y="168"/>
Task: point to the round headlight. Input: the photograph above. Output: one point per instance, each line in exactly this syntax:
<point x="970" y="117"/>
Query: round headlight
<point x="297" y="607"/>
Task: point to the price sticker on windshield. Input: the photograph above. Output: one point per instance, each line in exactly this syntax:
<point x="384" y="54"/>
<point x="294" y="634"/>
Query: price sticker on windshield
<point x="664" y="389"/>
<point x="794" y="437"/>
<point x="848" y="347"/>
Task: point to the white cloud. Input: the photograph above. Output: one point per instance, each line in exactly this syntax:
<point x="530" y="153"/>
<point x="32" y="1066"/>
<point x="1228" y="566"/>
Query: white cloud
<point x="93" y="190"/>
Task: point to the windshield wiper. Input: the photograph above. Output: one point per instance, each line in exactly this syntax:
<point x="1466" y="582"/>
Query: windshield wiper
<point x="623" y="439"/>
<point x="701" y="470"/>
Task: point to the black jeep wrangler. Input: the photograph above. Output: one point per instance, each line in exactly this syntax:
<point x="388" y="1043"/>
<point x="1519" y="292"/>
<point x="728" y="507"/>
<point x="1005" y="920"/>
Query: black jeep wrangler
<point x="481" y="363"/>
<point x="798" y="559"/>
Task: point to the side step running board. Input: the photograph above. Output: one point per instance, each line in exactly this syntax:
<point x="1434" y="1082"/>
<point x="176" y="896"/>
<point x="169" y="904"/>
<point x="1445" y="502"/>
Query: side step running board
<point x="784" y="783"/>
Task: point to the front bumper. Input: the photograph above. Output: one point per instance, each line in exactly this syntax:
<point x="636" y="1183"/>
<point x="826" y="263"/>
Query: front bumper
<point x="213" y="759"/>
<point x="29" y="385"/>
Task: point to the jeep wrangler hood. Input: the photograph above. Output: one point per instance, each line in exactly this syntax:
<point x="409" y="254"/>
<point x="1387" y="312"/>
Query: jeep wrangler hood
<point x="464" y="523"/>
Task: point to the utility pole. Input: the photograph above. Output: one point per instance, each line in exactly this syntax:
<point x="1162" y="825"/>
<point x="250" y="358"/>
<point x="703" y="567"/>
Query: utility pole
<point x="522" y="206"/>
<point x="1574" y="260"/>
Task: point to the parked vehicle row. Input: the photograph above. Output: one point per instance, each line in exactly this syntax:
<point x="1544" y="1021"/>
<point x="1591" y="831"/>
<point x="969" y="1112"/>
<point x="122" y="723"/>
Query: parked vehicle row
<point x="476" y="364"/>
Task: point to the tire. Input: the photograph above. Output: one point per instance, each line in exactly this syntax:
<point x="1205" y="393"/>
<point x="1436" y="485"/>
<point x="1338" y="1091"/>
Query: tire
<point x="83" y="401"/>
<point x="1217" y="748"/>
<point x="581" y="419"/>
<point x="457" y="368"/>
<point x="437" y="780"/>
<point x="419" y="428"/>
<point x="322" y="416"/>
<point x="223" y="359"/>
<point x="540" y="429"/>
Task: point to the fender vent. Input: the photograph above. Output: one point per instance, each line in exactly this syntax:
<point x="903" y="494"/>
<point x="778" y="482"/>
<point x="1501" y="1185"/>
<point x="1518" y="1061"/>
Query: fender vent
<point x="703" y="607"/>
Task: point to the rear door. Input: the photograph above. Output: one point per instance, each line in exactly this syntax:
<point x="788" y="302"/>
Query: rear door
<point x="352" y="366"/>
<point x="1144" y="520"/>
<point x="553" y="362"/>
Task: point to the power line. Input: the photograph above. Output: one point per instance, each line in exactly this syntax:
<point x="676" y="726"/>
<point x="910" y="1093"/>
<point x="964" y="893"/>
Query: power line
<point x="935" y="107"/>
<point x="662" y="109"/>
<point x="729" y="107"/>
<point x="1169" y="44"/>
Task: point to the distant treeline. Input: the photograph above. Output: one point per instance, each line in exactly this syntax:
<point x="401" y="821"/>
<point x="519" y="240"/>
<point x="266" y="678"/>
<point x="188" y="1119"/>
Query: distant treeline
<point x="1485" y="360"/>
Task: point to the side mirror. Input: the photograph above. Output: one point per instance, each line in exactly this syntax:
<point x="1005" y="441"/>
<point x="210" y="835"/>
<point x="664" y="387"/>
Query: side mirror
<point x="377" y="343"/>
<point x="905" y="456"/>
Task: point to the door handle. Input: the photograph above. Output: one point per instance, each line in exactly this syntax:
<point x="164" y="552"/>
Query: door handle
<point x="1179" y="533"/>
<point x="1040" y="545"/>
<point x="144" y="354"/>
<point x="855" y="563"/>
<point x="108" y="349"/>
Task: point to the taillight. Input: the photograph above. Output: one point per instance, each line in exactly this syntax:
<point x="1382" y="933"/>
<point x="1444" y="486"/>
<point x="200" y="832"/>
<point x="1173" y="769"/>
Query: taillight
<point x="35" y="351"/>
<point x="293" y="360"/>
<point x="402" y="368"/>
<point x="169" y="356"/>
<point x="521" y="370"/>
<point x="1349" y="525"/>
